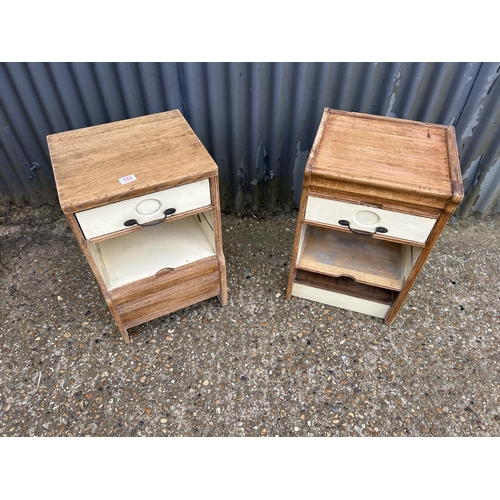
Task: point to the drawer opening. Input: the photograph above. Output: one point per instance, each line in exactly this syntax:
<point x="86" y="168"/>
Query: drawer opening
<point x="364" y="259"/>
<point x="345" y="286"/>
<point x="141" y="254"/>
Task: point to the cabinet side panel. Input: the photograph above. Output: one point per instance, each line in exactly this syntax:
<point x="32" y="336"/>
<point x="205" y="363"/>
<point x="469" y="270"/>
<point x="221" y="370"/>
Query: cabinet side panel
<point x="206" y="222"/>
<point x="217" y="228"/>
<point x="100" y="281"/>
<point x="303" y="200"/>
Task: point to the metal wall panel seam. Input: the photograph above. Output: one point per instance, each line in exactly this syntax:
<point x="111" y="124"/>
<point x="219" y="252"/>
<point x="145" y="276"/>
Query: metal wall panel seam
<point x="257" y="119"/>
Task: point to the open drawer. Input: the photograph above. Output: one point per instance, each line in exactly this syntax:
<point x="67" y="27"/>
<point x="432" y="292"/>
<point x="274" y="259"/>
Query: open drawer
<point x="375" y="262"/>
<point x="344" y="293"/>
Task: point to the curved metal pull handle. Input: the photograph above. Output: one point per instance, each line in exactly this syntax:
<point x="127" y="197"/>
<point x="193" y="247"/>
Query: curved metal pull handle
<point x="343" y="222"/>
<point x="133" y="222"/>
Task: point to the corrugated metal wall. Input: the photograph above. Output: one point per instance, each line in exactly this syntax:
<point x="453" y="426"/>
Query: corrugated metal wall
<point x="258" y="120"/>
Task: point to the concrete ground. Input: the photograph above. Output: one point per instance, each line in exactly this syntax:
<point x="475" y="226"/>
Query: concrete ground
<point x="261" y="366"/>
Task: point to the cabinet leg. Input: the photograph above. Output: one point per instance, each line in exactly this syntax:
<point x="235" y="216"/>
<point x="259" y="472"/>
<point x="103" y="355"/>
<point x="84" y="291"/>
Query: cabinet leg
<point x="118" y="320"/>
<point x="124" y="333"/>
<point x="223" y="283"/>
<point x="121" y="327"/>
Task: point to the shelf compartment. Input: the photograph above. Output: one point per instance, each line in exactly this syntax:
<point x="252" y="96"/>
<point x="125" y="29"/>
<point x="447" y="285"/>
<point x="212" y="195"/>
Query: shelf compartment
<point x="344" y="293"/>
<point x="367" y="260"/>
<point x="142" y="254"/>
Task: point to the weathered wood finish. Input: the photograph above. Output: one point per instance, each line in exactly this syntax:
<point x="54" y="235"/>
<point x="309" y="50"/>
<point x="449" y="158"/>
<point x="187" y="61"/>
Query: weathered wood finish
<point x="388" y="164"/>
<point x="161" y="150"/>
<point x="100" y="281"/>
<point x="367" y="260"/>
<point x="168" y="300"/>
<point x="303" y="201"/>
<point x="395" y="160"/>
<point x="166" y="279"/>
<point x="214" y="191"/>
<point x="169" y="163"/>
<point x="345" y="286"/>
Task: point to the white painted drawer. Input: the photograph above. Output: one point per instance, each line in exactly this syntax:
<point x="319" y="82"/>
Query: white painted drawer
<point x="144" y="209"/>
<point x="336" y="299"/>
<point x="367" y="219"/>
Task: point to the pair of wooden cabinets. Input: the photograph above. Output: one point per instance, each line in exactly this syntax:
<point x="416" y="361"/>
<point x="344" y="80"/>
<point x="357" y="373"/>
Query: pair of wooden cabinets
<point x="142" y="198"/>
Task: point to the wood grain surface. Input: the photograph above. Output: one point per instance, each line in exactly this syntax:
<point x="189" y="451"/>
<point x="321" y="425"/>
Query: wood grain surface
<point x="160" y="150"/>
<point x="364" y="259"/>
<point x="386" y="158"/>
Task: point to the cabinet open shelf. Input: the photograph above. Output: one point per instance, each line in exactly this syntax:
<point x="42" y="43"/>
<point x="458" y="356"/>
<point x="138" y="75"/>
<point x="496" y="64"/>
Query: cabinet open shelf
<point x="166" y="246"/>
<point x="343" y="292"/>
<point x="366" y="260"/>
<point x="346" y="286"/>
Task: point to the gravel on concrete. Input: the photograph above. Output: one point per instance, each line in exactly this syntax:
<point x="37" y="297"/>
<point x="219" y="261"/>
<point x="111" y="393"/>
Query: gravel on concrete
<point x="261" y="366"/>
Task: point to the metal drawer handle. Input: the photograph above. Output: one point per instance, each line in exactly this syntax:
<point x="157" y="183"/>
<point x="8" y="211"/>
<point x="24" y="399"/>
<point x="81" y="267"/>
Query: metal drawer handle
<point x="343" y="222"/>
<point x="133" y="222"/>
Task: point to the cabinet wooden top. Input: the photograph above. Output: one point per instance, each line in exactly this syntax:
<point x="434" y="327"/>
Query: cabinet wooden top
<point x="386" y="158"/>
<point x="159" y="151"/>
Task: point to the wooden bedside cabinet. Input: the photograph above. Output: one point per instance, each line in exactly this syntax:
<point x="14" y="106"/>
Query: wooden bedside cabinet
<point x="377" y="193"/>
<point x="142" y="198"/>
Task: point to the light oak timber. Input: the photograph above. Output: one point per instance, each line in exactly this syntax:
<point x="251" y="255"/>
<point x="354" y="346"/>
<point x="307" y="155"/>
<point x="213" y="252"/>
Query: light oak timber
<point x="401" y="166"/>
<point x="165" y="153"/>
<point x="169" y="300"/>
<point x="448" y="210"/>
<point x="401" y="156"/>
<point x="161" y="309"/>
<point x="366" y="260"/>
<point x="170" y="165"/>
<point x="164" y="279"/>
<point x="214" y="191"/>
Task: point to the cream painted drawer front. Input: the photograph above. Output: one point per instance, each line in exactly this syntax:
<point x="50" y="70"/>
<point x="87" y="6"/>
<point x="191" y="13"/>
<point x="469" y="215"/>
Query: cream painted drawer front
<point x="144" y="209"/>
<point x="361" y="218"/>
<point x="336" y="299"/>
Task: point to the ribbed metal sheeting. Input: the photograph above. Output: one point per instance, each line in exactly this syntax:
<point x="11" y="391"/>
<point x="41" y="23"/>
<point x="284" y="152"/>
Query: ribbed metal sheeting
<point x="257" y="120"/>
<point x="478" y="136"/>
